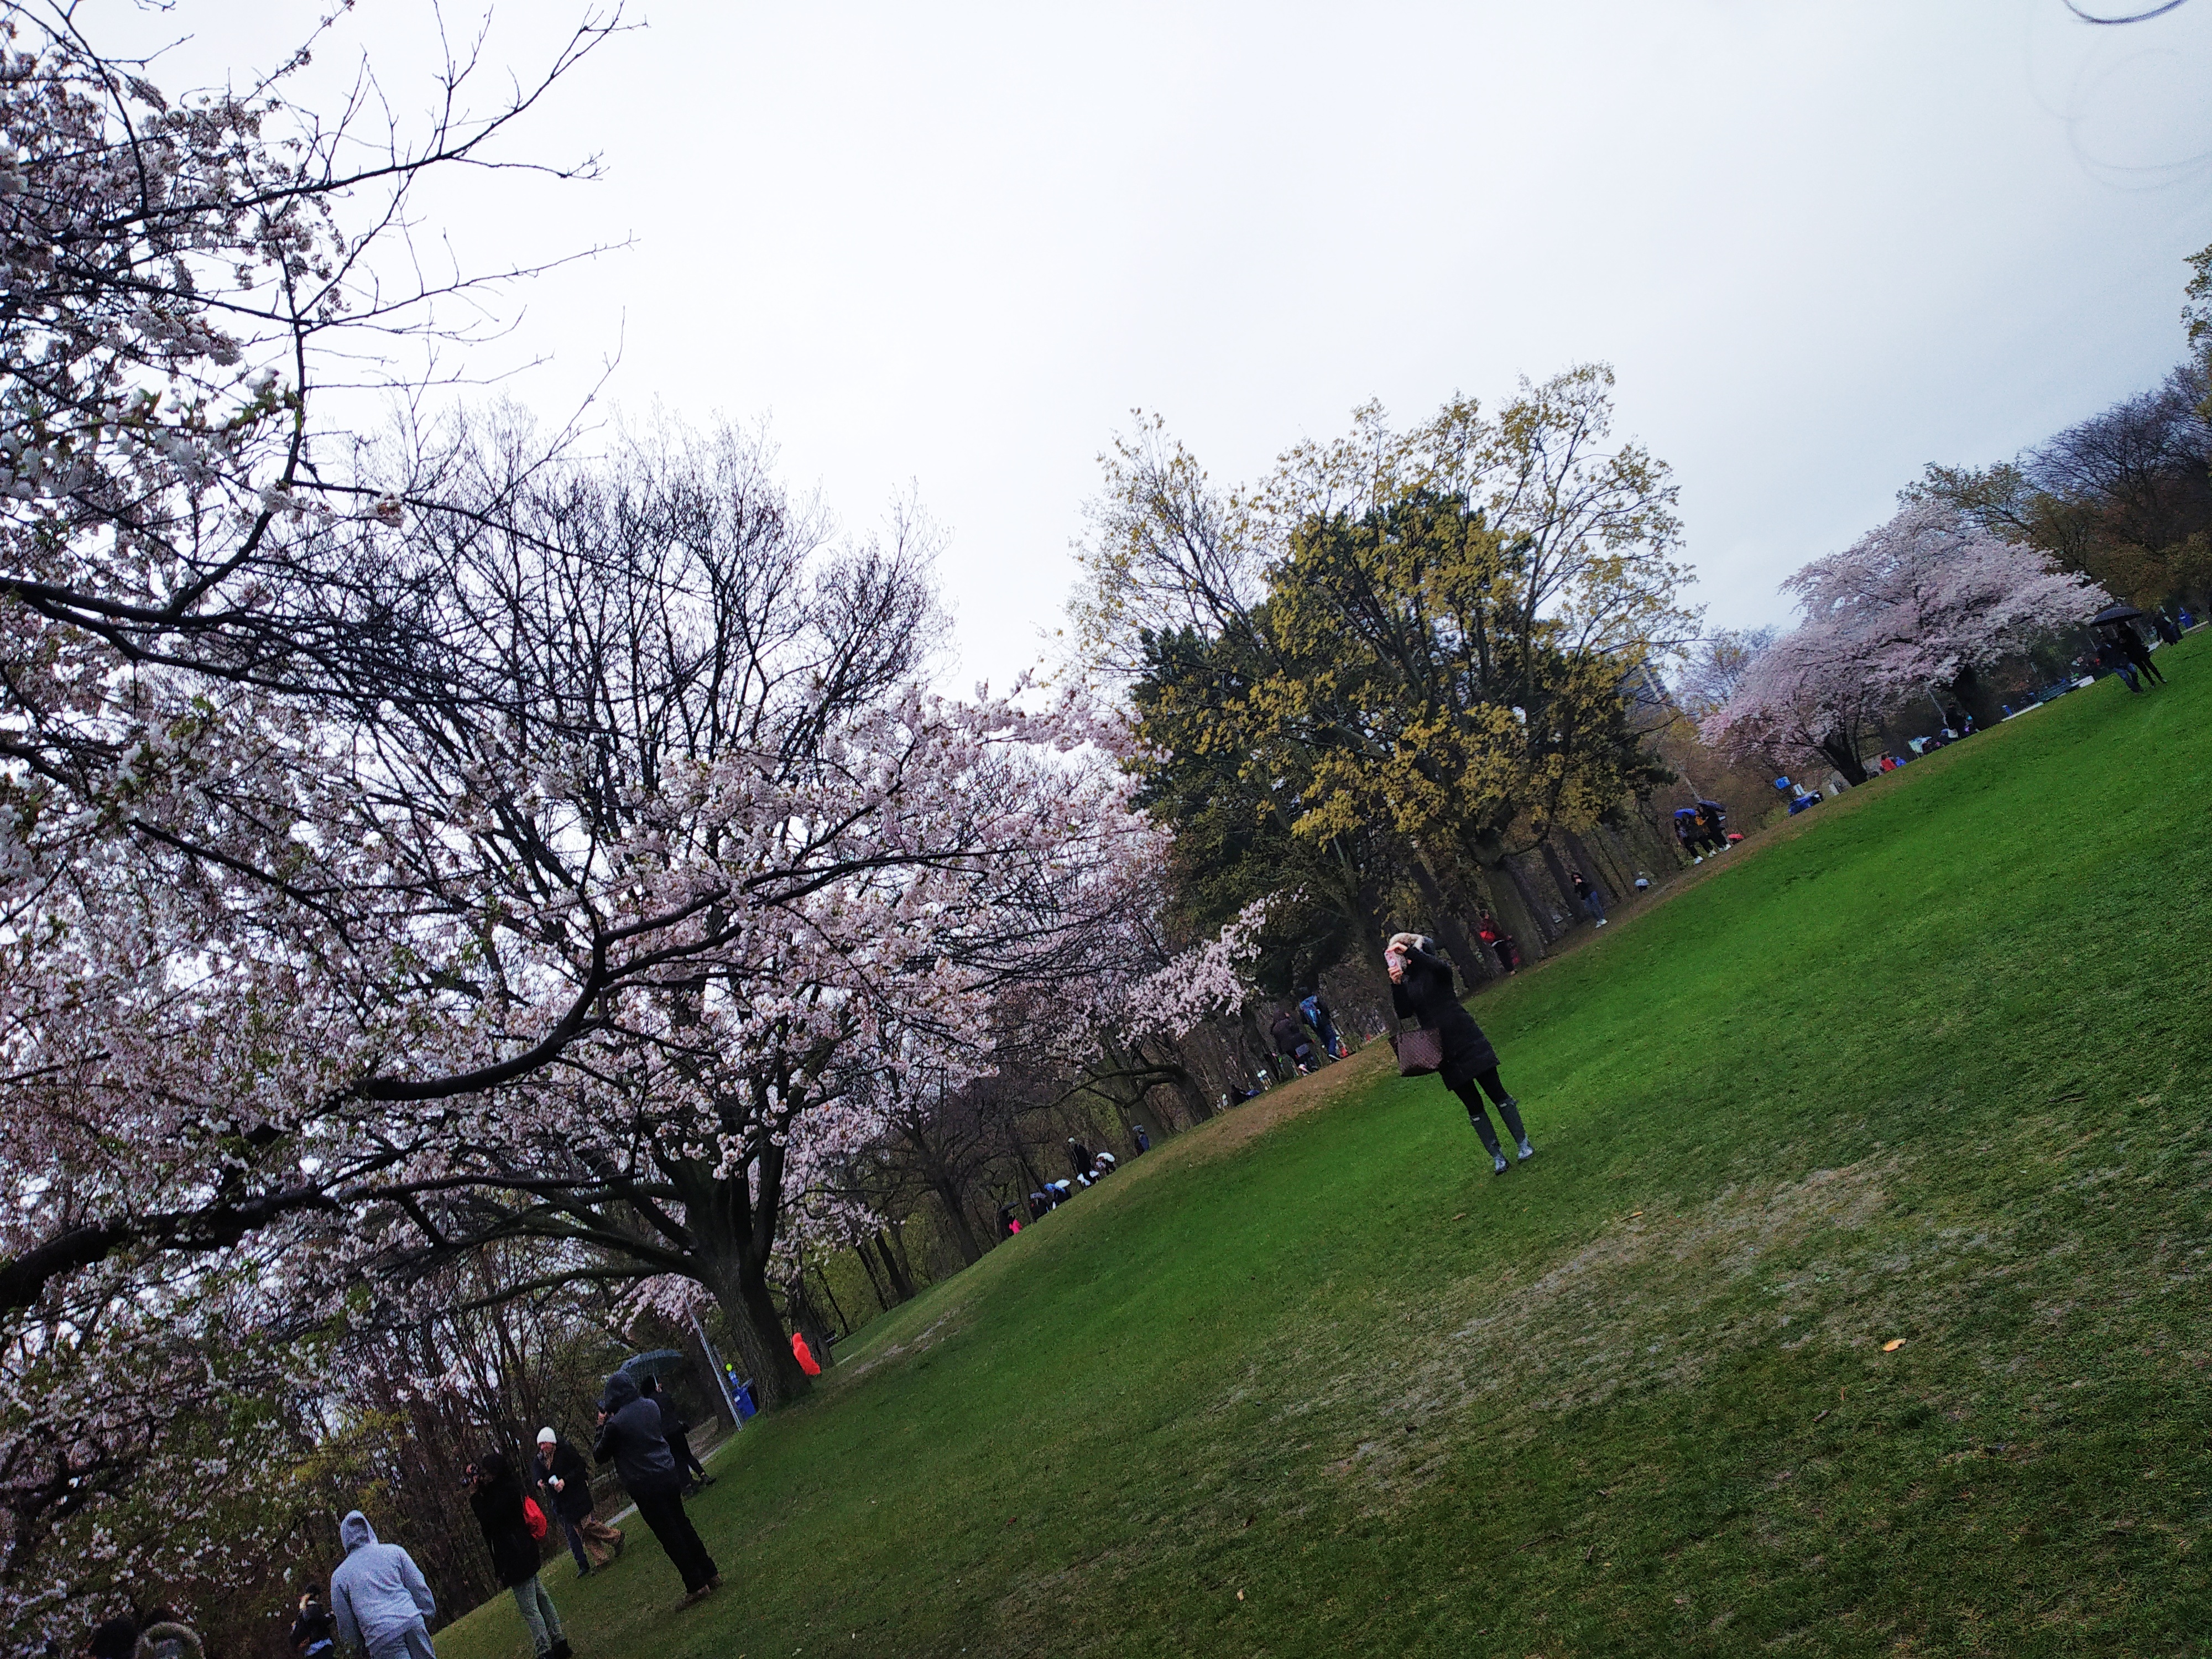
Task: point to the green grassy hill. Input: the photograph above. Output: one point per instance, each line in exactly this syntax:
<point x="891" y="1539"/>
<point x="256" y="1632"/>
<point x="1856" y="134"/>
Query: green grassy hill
<point x="1930" y="1063"/>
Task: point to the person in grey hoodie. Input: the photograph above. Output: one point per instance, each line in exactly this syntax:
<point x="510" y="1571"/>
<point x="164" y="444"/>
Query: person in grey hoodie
<point x="633" y="1437"/>
<point x="378" y="1596"/>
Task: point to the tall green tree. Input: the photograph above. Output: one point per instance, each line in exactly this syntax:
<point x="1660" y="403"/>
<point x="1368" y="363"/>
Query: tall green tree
<point x="1402" y="655"/>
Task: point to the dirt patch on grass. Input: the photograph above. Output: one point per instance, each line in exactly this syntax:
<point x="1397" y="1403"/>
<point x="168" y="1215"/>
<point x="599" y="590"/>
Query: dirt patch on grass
<point x="1649" y="1303"/>
<point x="948" y="1323"/>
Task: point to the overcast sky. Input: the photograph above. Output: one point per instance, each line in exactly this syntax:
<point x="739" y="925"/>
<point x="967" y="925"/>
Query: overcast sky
<point x="953" y="246"/>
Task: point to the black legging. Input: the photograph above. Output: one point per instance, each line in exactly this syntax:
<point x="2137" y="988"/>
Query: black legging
<point x="2145" y="667"/>
<point x="1471" y="1093"/>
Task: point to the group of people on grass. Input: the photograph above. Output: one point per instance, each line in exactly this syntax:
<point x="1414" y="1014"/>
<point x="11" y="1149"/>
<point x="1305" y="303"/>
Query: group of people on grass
<point x="1702" y="830"/>
<point x="2121" y="650"/>
<point x="1086" y="1168"/>
<point x="1305" y="1035"/>
<point x="380" y="1604"/>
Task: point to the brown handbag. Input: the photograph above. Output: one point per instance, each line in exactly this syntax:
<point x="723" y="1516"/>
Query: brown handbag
<point x="1419" y="1052"/>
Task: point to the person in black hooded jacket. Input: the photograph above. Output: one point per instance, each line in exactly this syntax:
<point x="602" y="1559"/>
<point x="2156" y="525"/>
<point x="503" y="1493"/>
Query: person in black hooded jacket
<point x="688" y="1468"/>
<point x="631" y="1437"/>
<point x="495" y="1495"/>
<point x="1421" y="989"/>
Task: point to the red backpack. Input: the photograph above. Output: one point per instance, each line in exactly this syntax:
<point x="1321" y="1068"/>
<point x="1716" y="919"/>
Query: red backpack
<point x="534" y="1518"/>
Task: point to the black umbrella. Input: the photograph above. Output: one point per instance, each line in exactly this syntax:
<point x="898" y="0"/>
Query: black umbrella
<point x="2114" y="613"/>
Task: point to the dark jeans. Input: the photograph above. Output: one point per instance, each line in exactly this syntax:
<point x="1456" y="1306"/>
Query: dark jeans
<point x="2146" y="667"/>
<point x="1470" y="1094"/>
<point x="576" y="1544"/>
<point x="687" y="1462"/>
<point x="664" y="1513"/>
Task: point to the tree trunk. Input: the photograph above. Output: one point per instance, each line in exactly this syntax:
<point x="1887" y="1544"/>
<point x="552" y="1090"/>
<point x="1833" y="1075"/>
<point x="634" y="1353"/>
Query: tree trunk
<point x="875" y="1282"/>
<point x="808" y="1319"/>
<point x="1185" y="1085"/>
<point x="1529" y="930"/>
<point x="1501" y="898"/>
<point x="1844" y="756"/>
<point x="1451" y="933"/>
<point x="1971" y="692"/>
<point x="896" y="1235"/>
<point x="1593" y="869"/>
<point x="732" y="1234"/>
<point x="844" y="1325"/>
<point x="956" y="1216"/>
<point x="741" y="1290"/>
<point x="1028" y="1170"/>
<point x="894" y="1270"/>
<point x="1553" y="863"/>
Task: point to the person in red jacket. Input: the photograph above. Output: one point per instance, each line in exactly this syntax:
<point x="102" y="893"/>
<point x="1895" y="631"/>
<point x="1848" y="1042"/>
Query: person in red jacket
<point x="804" y="1355"/>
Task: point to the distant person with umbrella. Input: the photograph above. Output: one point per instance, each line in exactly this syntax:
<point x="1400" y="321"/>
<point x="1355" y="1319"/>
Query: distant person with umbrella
<point x="630" y="1438"/>
<point x="2113" y="659"/>
<point x="2120" y="619"/>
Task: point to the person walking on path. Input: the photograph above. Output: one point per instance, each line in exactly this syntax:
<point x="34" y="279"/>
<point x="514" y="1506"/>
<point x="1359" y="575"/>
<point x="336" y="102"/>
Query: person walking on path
<point x="495" y="1495"/>
<point x="1588" y="895"/>
<point x="378" y="1596"/>
<point x="2167" y="629"/>
<point x="1421" y="989"/>
<point x="566" y="1479"/>
<point x="630" y="1438"/>
<point x="679" y="1436"/>
<point x="1144" y="1142"/>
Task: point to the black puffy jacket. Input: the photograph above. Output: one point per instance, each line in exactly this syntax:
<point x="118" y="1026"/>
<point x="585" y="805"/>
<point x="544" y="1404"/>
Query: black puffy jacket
<point x="498" y="1506"/>
<point x="1425" y="994"/>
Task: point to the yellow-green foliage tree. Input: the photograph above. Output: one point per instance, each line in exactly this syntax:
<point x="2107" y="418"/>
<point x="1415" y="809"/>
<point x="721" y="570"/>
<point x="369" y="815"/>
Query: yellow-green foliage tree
<point x="1403" y="652"/>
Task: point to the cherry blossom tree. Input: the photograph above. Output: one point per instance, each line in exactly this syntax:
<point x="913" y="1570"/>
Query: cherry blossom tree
<point x="404" y="856"/>
<point x="1925" y="603"/>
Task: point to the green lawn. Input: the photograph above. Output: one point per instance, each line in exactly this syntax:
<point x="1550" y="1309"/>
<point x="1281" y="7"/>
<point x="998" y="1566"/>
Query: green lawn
<point x="1928" y="1063"/>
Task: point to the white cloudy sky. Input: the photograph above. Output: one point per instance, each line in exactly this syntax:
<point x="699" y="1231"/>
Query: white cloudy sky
<point x="953" y="246"/>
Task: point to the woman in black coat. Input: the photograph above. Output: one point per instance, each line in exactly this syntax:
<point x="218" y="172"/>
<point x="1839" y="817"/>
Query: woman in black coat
<point x="495" y="1495"/>
<point x="1421" y="989"/>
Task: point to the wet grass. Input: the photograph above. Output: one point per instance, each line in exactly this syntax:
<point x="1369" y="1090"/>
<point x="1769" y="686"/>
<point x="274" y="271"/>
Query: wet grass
<point x="1930" y="1067"/>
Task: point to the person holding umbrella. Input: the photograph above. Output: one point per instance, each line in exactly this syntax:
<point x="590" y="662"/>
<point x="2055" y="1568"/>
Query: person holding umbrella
<point x="2120" y="620"/>
<point x="631" y="1438"/>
